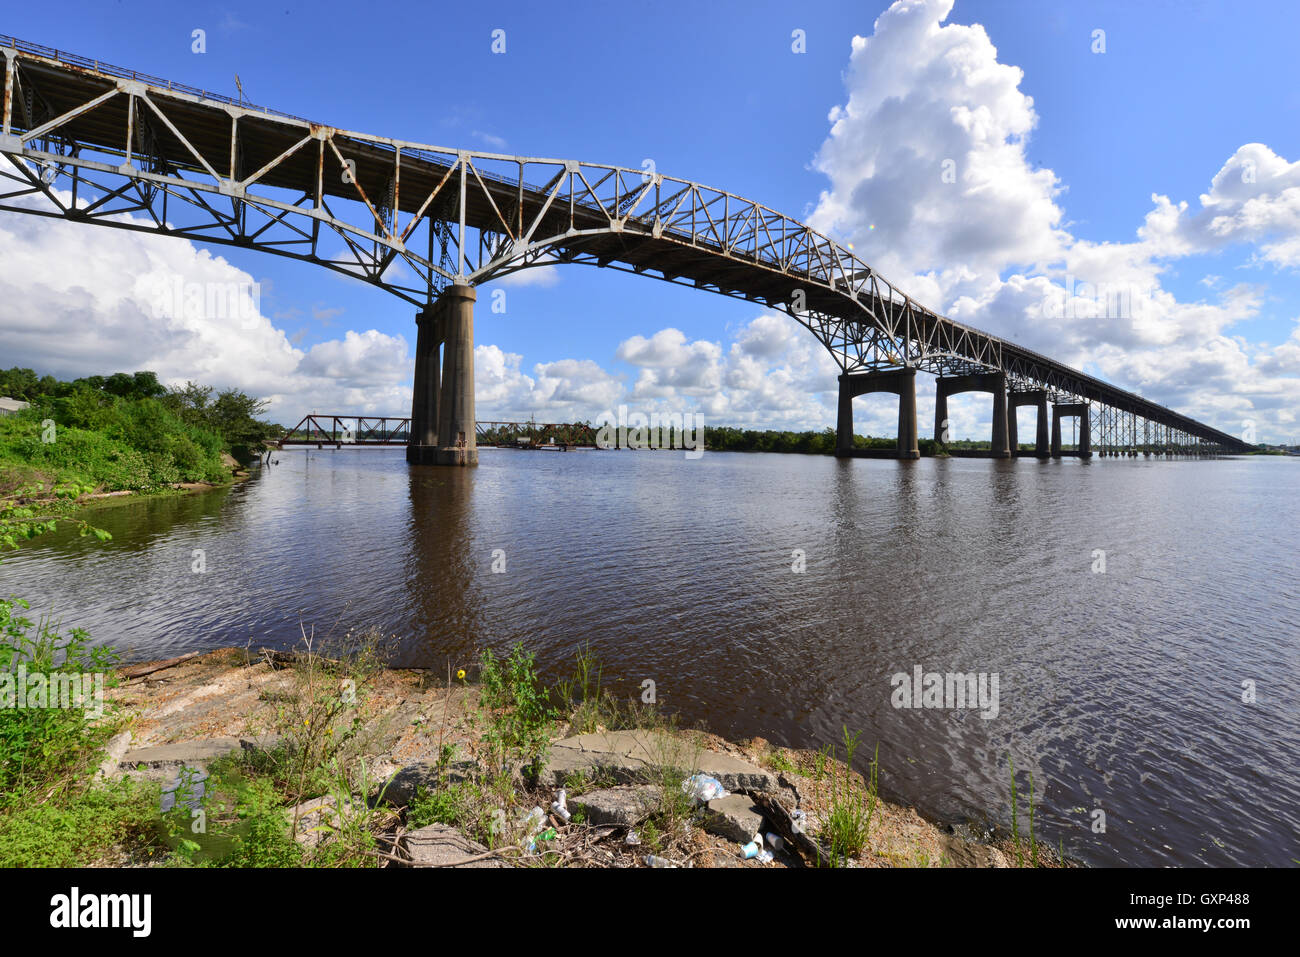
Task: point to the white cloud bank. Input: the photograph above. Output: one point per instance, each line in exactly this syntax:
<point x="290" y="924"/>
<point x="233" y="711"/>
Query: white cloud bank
<point x="929" y="179"/>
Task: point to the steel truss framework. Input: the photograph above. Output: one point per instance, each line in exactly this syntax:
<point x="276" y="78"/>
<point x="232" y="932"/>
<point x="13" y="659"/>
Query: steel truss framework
<point x="94" y="143"/>
<point x="339" y="430"/>
<point x="317" y="429"/>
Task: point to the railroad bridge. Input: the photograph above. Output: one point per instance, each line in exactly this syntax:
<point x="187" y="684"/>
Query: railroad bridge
<point x="94" y="143"/>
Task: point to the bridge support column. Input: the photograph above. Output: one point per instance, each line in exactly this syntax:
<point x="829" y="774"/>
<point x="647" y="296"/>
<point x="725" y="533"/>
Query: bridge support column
<point x="442" y="407"/>
<point x="1038" y="399"/>
<point x="902" y="382"/>
<point x="1062" y="410"/>
<point x="423" y="437"/>
<point x="457" y="444"/>
<point x="994" y="382"/>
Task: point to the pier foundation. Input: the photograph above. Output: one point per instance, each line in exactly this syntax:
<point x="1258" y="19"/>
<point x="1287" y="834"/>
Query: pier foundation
<point x="442" y="401"/>
<point x="1063" y="410"/>
<point x="994" y="382"/>
<point x="901" y="382"/>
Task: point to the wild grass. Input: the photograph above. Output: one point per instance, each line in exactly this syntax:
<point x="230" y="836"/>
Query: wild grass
<point x="1030" y="844"/>
<point x="98" y="826"/>
<point x="846" y="825"/>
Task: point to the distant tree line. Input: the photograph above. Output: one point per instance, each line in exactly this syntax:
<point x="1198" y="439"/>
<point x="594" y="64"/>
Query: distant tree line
<point x="726" y="439"/>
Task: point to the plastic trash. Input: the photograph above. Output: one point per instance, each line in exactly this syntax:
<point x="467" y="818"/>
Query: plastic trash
<point x="764" y="856"/>
<point x="799" y="821"/>
<point x="632" y="839"/>
<point x="653" y="861"/>
<point x="774" y="841"/>
<point x="703" y="788"/>
<point x="533" y="821"/>
<point x="532" y="824"/>
<point x="560" y="811"/>
<point x="750" y="850"/>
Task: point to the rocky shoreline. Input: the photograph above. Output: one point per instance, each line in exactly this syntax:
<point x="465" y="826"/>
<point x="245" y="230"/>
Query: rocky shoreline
<point x="420" y="743"/>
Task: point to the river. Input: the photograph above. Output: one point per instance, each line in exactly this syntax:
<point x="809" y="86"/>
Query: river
<point x="1121" y="689"/>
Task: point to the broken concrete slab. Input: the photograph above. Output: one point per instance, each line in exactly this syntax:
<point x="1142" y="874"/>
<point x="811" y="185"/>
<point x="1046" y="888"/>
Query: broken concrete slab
<point x="963" y="853"/>
<point x="735" y="773"/>
<point x="624" y="806"/>
<point x="629" y="756"/>
<point x="402" y="787"/>
<point x="440" y="845"/>
<point x="734" y="817"/>
<point x="156" y="761"/>
<point x="114" y="751"/>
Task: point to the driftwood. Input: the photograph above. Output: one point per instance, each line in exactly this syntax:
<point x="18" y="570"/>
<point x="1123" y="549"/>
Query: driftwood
<point x="139" y="671"/>
<point x="283" y="659"/>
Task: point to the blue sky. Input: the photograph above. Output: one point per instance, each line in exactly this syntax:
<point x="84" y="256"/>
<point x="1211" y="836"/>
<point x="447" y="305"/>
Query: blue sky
<point x="714" y="93"/>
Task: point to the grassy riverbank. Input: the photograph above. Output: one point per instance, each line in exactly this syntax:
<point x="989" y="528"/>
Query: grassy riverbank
<point x="121" y="433"/>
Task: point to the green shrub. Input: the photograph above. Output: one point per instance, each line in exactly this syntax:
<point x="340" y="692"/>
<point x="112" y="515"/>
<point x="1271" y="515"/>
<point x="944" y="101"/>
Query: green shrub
<point x="83" y="829"/>
<point x="520" y="711"/>
<point x="48" y="750"/>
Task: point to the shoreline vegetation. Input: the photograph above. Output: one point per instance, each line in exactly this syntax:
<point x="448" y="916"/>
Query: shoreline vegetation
<point x="95" y="437"/>
<point x="325" y="757"/>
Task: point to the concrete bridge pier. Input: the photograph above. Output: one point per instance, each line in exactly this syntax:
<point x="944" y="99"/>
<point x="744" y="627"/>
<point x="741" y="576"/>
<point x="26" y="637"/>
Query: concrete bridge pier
<point x="423" y="439"/>
<point x="442" y="404"/>
<point x="902" y="382"/>
<point x="1037" y="398"/>
<point x="1063" y="410"/>
<point x="994" y="382"/>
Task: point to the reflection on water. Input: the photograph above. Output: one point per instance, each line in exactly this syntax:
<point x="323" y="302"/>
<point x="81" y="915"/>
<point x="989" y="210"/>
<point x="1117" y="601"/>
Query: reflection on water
<point x="1120" y="691"/>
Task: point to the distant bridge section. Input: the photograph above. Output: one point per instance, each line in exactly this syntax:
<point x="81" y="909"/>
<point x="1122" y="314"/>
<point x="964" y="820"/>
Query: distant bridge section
<point x="93" y="143"/>
<point x="340" y="430"/>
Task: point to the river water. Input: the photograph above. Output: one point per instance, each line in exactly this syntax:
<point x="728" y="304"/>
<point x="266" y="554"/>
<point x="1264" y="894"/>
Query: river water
<point x="1121" y="689"/>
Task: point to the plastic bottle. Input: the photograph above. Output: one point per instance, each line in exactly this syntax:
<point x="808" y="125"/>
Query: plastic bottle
<point x="534" y="821"/>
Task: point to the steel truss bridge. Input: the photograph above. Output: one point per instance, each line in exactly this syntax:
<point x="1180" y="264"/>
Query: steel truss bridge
<point x="339" y="430"/>
<point x="89" y="142"/>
